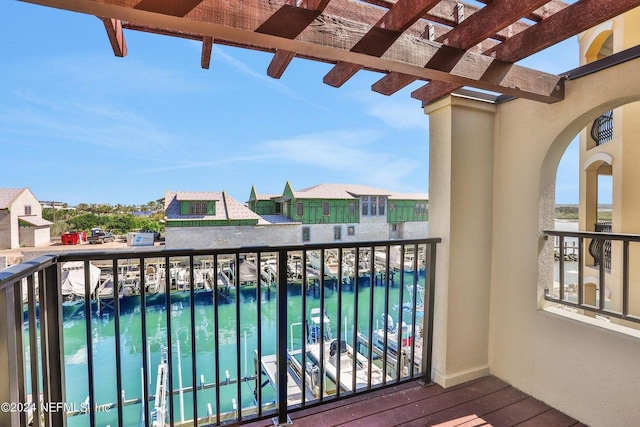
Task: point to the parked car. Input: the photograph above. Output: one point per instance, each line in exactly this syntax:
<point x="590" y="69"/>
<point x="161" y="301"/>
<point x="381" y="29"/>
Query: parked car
<point x="101" y="237"/>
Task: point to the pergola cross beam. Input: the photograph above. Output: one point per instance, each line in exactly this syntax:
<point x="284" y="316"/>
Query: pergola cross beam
<point x="403" y="39"/>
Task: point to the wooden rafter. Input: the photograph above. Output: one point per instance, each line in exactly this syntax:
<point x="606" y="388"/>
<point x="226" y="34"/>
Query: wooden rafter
<point x="407" y="40"/>
<point x="280" y="24"/>
<point x="498" y="14"/>
<point x="479" y="26"/>
<point x="207" y="46"/>
<point x="444" y="13"/>
<point x="381" y="36"/>
<point x="543" y="12"/>
<point x="565" y="23"/>
<point x="116" y="36"/>
<point x="235" y="21"/>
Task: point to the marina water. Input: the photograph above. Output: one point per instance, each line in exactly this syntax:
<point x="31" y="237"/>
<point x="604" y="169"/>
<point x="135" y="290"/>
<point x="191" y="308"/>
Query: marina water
<point x="103" y="340"/>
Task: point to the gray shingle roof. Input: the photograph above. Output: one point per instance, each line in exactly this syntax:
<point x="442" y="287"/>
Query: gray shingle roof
<point x="351" y="191"/>
<point x="8" y="195"/>
<point x="198" y="195"/>
<point x="226" y="206"/>
<point x="409" y="196"/>
<point x="35" y="220"/>
<point x="278" y="219"/>
<point x="339" y="191"/>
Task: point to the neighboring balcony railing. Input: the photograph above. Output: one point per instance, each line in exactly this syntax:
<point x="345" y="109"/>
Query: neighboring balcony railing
<point x="602" y="128"/>
<point x="600" y="249"/>
<point x="205" y="337"/>
<point x="626" y="304"/>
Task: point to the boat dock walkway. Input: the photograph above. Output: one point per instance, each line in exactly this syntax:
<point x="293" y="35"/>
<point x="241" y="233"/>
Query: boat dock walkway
<point x="294" y="383"/>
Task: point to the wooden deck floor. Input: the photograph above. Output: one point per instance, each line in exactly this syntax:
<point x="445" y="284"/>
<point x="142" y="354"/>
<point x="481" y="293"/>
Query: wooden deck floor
<point x="487" y="401"/>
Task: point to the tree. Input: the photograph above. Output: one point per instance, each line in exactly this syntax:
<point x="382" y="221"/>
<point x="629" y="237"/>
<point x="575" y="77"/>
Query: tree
<point x="85" y="221"/>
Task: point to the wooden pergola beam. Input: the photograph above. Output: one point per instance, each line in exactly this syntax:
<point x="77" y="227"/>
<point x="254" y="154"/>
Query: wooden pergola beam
<point x="289" y="21"/>
<point x="474" y="29"/>
<point x="544" y="11"/>
<point x="329" y="38"/>
<point x="279" y="63"/>
<point x="444" y="13"/>
<point x="566" y="23"/>
<point x="497" y="14"/>
<point x="207" y="46"/>
<point x="116" y="36"/>
<point x="381" y="36"/>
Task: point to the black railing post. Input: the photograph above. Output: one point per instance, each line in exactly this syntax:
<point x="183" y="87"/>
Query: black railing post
<point x="20" y="354"/>
<point x="33" y="345"/>
<point x="9" y="341"/>
<point x="281" y="349"/>
<point x="53" y="378"/>
<point x="430" y="287"/>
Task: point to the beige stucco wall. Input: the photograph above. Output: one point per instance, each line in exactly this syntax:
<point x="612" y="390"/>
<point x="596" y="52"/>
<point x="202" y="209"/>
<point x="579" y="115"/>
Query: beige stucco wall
<point x="5" y="229"/>
<point x="10" y="235"/>
<point x="622" y="154"/>
<point x="589" y="372"/>
<point x="460" y="203"/>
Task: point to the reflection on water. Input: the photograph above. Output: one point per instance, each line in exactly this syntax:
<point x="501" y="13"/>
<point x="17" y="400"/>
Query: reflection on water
<point x="181" y="344"/>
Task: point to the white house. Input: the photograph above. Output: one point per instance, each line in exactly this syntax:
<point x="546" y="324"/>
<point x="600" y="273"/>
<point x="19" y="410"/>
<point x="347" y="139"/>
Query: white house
<point x="21" y="222"/>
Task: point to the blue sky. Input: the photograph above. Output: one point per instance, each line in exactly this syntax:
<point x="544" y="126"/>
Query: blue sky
<point x="79" y="125"/>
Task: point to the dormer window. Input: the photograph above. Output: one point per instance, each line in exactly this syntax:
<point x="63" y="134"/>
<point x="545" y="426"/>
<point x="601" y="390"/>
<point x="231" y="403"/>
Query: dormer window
<point x="198" y="208"/>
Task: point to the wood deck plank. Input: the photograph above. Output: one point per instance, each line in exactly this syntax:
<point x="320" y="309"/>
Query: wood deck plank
<point x="519" y="412"/>
<point x="477" y="408"/>
<point x="486" y="401"/>
<point x="423" y="408"/>
<point x="551" y="418"/>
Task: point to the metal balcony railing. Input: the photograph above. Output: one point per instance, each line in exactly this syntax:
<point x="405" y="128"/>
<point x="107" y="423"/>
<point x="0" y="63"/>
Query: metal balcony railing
<point x="600" y="249"/>
<point x="206" y="337"/>
<point x="602" y="128"/>
<point x="567" y="296"/>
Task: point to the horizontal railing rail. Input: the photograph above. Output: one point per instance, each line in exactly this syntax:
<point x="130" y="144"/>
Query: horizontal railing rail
<point x="207" y="336"/>
<point x="618" y="283"/>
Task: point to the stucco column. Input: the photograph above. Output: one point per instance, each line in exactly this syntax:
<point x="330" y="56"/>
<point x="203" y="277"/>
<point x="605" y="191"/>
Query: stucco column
<point x="460" y="212"/>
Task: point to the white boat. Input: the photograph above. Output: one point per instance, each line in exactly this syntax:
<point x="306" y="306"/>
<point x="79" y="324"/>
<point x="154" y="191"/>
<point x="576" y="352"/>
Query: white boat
<point x="401" y="342"/>
<point x="72" y="280"/>
<point x="248" y="272"/>
<point x="395" y="334"/>
<point x="340" y="355"/>
<point x="395" y="261"/>
<point x="331" y="266"/>
<point x="350" y="361"/>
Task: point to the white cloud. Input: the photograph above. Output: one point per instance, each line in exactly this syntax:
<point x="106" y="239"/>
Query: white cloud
<point x="400" y="111"/>
<point x="261" y="77"/>
<point x="353" y="154"/>
<point x="69" y="120"/>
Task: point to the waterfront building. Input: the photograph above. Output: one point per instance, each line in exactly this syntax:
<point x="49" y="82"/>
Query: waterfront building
<point x="609" y="148"/>
<point x="347" y="212"/>
<point x="215" y="219"/>
<point x="21" y="222"/>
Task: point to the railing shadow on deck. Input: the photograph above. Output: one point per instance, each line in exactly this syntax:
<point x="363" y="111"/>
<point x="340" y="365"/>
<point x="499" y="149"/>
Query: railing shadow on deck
<point x="204" y="337"/>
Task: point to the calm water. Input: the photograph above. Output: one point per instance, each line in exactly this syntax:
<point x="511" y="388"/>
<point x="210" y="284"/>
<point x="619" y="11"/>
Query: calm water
<point x="132" y="342"/>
